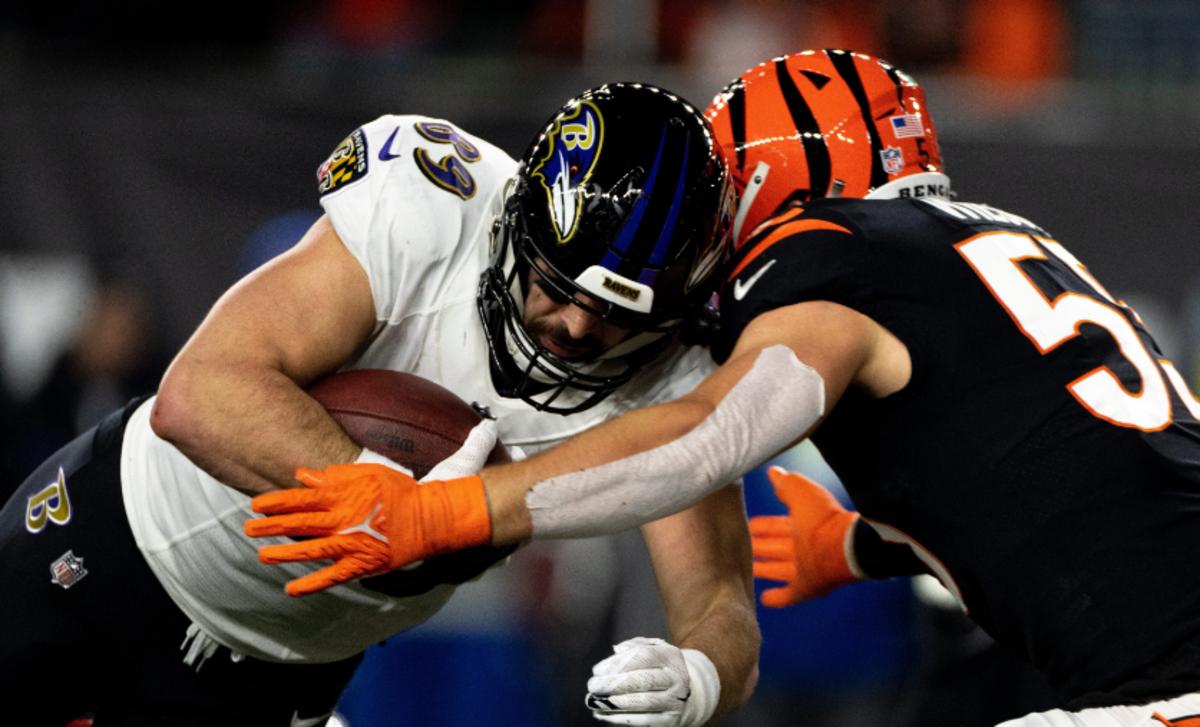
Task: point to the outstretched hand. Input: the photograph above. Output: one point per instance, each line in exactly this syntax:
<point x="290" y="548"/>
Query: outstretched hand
<point x="807" y="548"/>
<point x="368" y="519"/>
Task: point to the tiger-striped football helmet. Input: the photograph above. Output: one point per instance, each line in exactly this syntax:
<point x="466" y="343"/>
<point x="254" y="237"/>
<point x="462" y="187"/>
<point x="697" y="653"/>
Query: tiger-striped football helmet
<point x="824" y="123"/>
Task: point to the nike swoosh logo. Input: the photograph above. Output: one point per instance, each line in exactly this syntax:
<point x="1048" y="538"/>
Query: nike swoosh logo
<point x="385" y="152"/>
<point x="741" y="287"/>
<point x="298" y="721"/>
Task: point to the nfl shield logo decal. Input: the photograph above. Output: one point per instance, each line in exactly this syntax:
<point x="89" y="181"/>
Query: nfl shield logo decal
<point x="67" y="570"/>
<point x="893" y="160"/>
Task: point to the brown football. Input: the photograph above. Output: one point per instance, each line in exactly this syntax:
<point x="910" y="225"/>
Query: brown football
<point x="410" y="419"/>
<point x="416" y="423"/>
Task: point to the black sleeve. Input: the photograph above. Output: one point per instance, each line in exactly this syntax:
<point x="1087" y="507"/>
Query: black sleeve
<point x="828" y="263"/>
<point x="880" y="559"/>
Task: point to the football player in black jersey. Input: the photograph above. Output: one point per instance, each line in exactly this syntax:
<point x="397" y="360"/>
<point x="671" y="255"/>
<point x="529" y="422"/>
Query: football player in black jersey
<point x="998" y="417"/>
<point x="998" y="413"/>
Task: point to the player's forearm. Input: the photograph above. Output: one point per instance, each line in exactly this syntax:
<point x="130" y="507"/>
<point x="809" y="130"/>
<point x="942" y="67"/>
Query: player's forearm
<point x="728" y="635"/>
<point x="638" y="431"/>
<point x="657" y="461"/>
<point x="247" y="425"/>
<point x="702" y="561"/>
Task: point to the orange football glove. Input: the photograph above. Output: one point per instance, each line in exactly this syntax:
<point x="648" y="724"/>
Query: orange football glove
<point x="806" y="549"/>
<point x="368" y="519"/>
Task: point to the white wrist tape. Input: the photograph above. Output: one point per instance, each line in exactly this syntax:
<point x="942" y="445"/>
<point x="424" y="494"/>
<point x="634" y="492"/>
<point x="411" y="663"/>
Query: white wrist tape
<point x="470" y="457"/>
<point x="706" y="689"/>
<point x="776" y="401"/>
<point x="370" y="456"/>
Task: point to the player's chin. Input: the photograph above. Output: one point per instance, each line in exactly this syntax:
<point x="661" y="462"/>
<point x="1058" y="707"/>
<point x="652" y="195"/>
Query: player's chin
<point x="570" y="353"/>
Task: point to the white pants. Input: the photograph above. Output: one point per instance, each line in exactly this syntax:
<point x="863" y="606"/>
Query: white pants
<point x="1184" y="710"/>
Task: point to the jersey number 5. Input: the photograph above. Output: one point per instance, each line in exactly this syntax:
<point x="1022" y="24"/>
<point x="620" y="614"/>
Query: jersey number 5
<point x="1048" y="323"/>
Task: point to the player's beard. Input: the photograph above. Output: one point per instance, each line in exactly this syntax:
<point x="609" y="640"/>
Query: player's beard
<point x="579" y="350"/>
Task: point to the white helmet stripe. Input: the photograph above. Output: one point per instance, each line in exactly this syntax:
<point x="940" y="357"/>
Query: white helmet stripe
<point x="756" y="182"/>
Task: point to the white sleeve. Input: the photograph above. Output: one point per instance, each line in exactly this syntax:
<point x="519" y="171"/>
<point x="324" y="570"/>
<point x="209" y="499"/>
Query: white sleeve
<point x="401" y="226"/>
<point x="776" y="401"/>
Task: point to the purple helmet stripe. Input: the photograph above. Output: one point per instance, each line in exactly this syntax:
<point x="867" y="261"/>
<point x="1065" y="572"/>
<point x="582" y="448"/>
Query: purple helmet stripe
<point x="629" y="229"/>
<point x="650" y="272"/>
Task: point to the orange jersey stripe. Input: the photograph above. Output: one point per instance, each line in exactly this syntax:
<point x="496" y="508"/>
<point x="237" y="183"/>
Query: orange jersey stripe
<point x="785" y="230"/>
<point x="1189" y="721"/>
<point x="771" y="222"/>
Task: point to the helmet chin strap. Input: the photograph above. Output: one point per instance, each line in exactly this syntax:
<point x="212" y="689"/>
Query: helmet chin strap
<point x="757" y="180"/>
<point x="523" y="360"/>
<point x="520" y="344"/>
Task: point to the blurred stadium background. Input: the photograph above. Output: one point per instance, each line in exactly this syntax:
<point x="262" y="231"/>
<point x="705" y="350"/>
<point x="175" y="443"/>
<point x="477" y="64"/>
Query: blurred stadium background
<point x="155" y="152"/>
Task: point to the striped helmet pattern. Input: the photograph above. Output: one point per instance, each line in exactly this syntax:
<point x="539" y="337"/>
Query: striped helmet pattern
<point x="825" y="123"/>
<point x="640" y="247"/>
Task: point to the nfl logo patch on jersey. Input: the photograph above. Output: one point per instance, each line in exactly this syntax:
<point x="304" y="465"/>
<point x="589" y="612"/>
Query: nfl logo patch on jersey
<point x="67" y="570"/>
<point x="893" y="160"/>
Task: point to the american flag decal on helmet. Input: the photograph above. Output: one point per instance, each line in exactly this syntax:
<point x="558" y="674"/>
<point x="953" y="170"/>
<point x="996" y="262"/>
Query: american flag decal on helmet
<point x="905" y="126"/>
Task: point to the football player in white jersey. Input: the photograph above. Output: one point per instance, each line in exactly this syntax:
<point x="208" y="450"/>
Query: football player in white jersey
<point x="553" y="292"/>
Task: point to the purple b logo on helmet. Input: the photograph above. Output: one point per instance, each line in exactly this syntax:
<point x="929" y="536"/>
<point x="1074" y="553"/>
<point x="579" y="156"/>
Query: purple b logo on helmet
<point x="575" y="141"/>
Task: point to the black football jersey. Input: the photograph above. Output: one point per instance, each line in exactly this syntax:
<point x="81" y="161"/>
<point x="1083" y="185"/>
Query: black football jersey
<point x="1044" y="456"/>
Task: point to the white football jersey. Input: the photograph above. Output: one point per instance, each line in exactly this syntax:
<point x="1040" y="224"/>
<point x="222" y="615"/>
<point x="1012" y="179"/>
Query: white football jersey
<point x="413" y="199"/>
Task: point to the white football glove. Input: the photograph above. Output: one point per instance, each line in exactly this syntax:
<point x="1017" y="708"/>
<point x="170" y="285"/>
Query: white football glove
<point x="471" y="456"/>
<point x="651" y="683"/>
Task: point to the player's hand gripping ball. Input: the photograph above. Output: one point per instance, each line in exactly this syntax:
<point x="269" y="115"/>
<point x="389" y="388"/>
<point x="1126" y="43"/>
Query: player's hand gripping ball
<point x="371" y="519"/>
